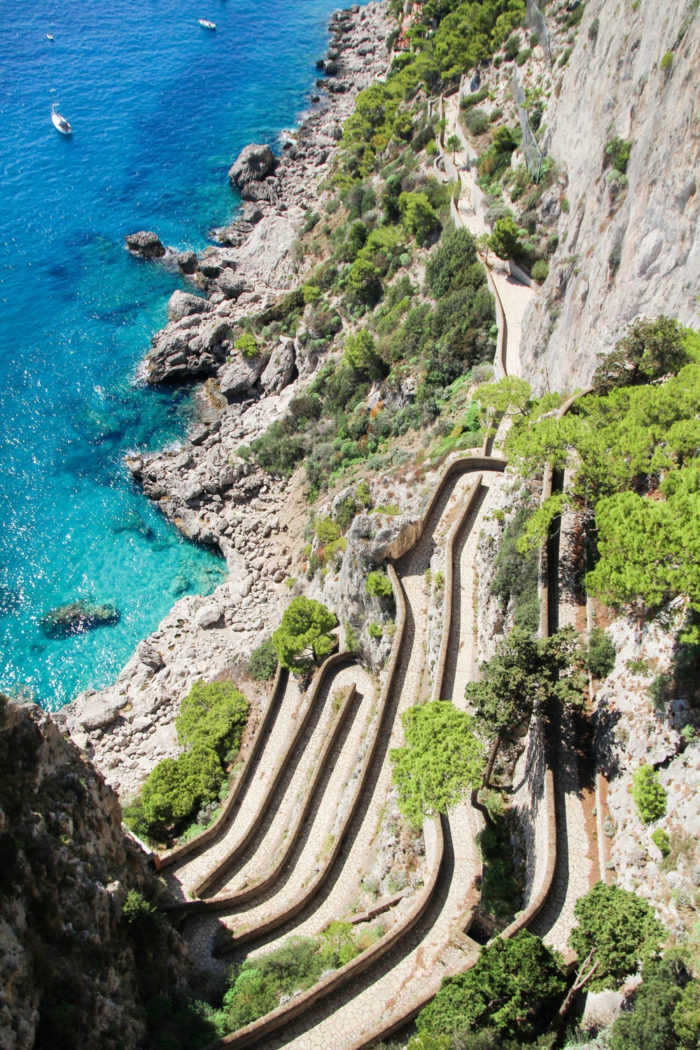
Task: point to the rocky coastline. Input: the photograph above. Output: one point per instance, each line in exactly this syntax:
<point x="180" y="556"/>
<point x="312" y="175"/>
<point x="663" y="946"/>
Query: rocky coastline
<point x="210" y="494"/>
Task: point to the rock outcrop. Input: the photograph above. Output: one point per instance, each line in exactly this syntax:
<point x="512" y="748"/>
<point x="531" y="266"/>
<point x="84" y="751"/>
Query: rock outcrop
<point x="253" y="166"/>
<point x="73" y="971"/>
<point x="146" y="244"/>
<point x="629" y="246"/>
<point x="77" y="618"/>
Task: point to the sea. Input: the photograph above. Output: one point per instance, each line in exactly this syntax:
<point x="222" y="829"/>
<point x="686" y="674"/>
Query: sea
<point x="160" y="108"/>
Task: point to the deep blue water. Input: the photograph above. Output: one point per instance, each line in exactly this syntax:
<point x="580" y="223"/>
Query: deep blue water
<point x="160" y="108"/>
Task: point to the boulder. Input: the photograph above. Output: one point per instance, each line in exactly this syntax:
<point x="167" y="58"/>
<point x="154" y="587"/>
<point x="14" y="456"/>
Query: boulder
<point x="261" y="191"/>
<point x="184" y="304"/>
<point x="145" y="244"/>
<point x="186" y="261"/>
<point x="231" y="285"/>
<point x="149" y="656"/>
<point x="77" y="618"/>
<point x="240" y="375"/>
<point x="254" y="163"/>
<point x="280" y="368"/>
<point x="208" y="616"/>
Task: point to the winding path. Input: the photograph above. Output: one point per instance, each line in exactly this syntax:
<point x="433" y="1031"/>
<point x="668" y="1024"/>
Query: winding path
<point x="330" y="783"/>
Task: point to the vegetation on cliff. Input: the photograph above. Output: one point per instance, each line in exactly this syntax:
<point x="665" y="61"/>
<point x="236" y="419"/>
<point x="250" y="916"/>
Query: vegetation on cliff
<point x="209" y="726"/>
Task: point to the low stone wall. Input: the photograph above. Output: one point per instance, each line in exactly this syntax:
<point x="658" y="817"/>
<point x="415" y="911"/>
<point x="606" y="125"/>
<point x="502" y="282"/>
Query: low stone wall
<point x="449" y="585"/>
<point x="333" y="661"/>
<point x="302" y="901"/>
<point x="196" y="845"/>
<point x="257" y="1030"/>
<point x="228" y="901"/>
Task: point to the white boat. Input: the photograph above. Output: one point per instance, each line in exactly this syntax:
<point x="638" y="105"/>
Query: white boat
<point x="49" y="36"/>
<point x="206" y="24"/>
<point x="60" y="123"/>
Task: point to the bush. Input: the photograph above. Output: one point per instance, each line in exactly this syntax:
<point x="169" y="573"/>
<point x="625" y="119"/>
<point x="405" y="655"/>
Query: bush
<point x="516" y="574"/>
<point x="600" y="654"/>
<point x="648" y="794"/>
<point x="137" y="911"/>
<point x="477" y="121"/>
<point x="540" y="271"/>
<point x="512" y="46"/>
<point x="666" y="62"/>
<point x="303" y="634"/>
<point x="514" y="987"/>
<point x="212" y="716"/>
<point x="448" y="267"/>
<point x="263" y="661"/>
<point x="661" y="840"/>
<point x="247" y="344"/>
<point x="177" y="786"/>
<point x="617" y="153"/>
<point x="522" y="56"/>
<point x="378" y="585"/>
<point x="327" y="531"/>
<point x="375" y="630"/>
<point x="619" y="928"/>
<point x="505" y="239"/>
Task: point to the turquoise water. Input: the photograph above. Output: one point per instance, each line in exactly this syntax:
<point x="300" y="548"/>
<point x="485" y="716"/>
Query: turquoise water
<point x="160" y="108"/>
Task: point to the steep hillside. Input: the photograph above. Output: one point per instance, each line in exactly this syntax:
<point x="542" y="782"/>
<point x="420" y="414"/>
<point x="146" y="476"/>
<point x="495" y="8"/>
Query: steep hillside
<point x="80" y="948"/>
<point x="629" y="243"/>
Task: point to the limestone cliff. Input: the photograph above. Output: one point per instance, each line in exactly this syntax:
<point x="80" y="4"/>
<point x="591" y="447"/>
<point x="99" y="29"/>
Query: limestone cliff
<point x="626" y="248"/>
<point x="74" y="972"/>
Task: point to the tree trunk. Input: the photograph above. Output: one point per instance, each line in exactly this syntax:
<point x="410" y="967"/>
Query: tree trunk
<point x="492" y="760"/>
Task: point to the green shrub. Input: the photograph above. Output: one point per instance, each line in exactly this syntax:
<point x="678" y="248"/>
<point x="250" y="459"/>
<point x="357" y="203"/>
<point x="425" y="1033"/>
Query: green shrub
<point x="375" y="630"/>
<point x="477" y="121"/>
<point x="475" y="98"/>
<point x="661" y="840"/>
<point x="303" y="634"/>
<point x="495" y="115"/>
<point x="212" y="716"/>
<point x="575" y="17"/>
<point x="600" y="654"/>
<point x="648" y="794"/>
<point x="137" y="911"/>
<point x="516" y="573"/>
<point x="514" y="987"/>
<point x="448" y="267"/>
<point x="540" y="271"/>
<point x="522" y="56"/>
<point x="247" y="344"/>
<point x="176" y="788"/>
<point x="617" y="152"/>
<point x="666" y="62"/>
<point x="512" y="46"/>
<point x="263" y="661"/>
<point x="327" y="531"/>
<point x="505" y="239"/>
<point x="378" y="585"/>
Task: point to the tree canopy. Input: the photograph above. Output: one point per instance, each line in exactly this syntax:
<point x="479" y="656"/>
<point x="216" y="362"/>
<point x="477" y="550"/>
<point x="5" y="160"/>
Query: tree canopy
<point x="213" y="715"/>
<point x="303" y="634"/>
<point x="177" y="786"/>
<point x="635" y="483"/>
<point x="441" y="762"/>
<point x="513" y="988"/>
<point x="618" y="929"/>
<point x="649" y="350"/>
<point x="666" y="1014"/>
<point x="523" y="671"/>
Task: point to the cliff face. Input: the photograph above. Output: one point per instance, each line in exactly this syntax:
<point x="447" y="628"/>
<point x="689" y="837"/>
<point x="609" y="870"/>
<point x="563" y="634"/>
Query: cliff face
<point x="627" y="250"/>
<point x="73" y="972"/>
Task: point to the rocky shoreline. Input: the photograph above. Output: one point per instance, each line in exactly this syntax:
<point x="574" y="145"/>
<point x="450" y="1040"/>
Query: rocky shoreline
<point x="210" y="494"/>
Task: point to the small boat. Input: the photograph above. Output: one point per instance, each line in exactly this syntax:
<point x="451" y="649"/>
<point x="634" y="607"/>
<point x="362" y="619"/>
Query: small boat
<point x="49" y="36"/>
<point x="60" y="123"/>
<point x="206" y="24"/>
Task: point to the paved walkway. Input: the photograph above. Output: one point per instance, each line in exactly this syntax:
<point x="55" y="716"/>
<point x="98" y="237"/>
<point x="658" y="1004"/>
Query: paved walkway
<point x="184" y="877"/>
